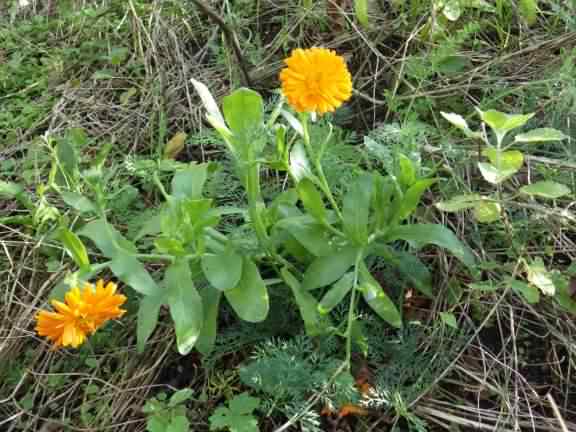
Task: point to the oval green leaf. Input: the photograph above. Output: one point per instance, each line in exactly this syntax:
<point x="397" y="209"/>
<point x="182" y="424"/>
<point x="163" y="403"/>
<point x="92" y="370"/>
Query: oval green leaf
<point x="223" y="270"/>
<point x="249" y="298"/>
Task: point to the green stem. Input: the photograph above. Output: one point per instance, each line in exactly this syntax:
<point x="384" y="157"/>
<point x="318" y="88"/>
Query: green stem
<point x="324" y="186"/>
<point x="352" y="310"/>
<point x="255" y="201"/>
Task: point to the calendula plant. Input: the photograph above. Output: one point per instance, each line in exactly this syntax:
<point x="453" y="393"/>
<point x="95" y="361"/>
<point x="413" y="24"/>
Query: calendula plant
<point x="306" y="237"/>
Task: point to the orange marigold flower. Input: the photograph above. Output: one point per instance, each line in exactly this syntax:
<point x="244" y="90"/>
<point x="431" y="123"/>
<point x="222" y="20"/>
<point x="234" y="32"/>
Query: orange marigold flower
<point x="81" y="314"/>
<point x="316" y="80"/>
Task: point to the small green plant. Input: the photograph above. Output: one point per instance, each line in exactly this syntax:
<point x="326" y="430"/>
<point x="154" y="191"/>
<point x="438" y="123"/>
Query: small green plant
<point x="500" y="164"/>
<point x="167" y="415"/>
<point x="237" y="416"/>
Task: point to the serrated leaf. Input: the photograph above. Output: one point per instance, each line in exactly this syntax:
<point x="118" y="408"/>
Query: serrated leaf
<point x="540" y="135"/>
<point x="459" y="202"/>
<point x="185" y="305"/>
<point x="546" y="189"/>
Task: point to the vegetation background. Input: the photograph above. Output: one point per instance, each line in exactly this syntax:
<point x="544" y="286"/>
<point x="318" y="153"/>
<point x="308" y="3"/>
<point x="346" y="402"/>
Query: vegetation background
<point x="480" y="356"/>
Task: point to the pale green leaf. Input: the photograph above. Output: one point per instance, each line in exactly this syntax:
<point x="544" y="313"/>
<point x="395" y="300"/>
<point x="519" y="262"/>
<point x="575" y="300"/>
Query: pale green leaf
<point x="540" y="135"/>
<point x="546" y="189"/>
<point x="459" y="202"/>
<point x="336" y="293"/>
<point x="148" y="312"/>
<point x="185" y="305"/>
<point x="131" y="271"/>
<point x="487" y="211"/>
<point x="249" y="298"/>
<point x="449" y="319"/>
<point x="223" y="270"/>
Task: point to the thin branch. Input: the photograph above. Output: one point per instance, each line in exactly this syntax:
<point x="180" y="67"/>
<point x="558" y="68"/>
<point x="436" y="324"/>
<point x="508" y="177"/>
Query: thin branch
<point x="230" y="37"/>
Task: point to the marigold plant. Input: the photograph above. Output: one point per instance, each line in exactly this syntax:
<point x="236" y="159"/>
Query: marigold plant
<point x="81" y="314"/>
<point x="316" y="80"/>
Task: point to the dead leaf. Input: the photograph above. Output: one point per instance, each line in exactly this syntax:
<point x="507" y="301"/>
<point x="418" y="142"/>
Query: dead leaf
<point x="175" y="145"/>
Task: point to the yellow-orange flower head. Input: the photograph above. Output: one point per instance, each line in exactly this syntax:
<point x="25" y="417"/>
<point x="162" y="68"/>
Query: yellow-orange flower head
<point x="316" y="80"/>
<point x="81" y="314"/>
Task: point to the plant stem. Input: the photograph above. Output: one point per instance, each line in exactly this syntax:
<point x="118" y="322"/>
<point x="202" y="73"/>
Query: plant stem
<point x="352" y="310"/>
<point x="323" y="183"/>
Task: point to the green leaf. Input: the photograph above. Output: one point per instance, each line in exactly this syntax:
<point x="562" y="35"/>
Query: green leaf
<point x="406" y="171"/>
<point x="327" y="269"/>
<point x="313" y="236"/>
<point x="307" y="304"/>
<point x="10" y="190"/>
<point x="311" y="199"/>
<point x="361" y="9"/>
<point x="492" y="174"/>
<point x="189" y="182"/>
<point x="179" y="423"/>
<point x="244" y="404"/>
<point x="529" y="292"/>
<point x="487" y="211"/>
<point x="211" y="303"/>
<point x="449" y="319"/>
<point x="243" y="110"/>
<point x="459" y="121"/>
<point x="459" y="202"/>
<point x="484" y="286"/>
<point x="528" y="10"/>
<point x="540" y="135"/>
<point x="237" y="418"/>
<point x="502" y="123"/>
<point x="538" y="276"/>
<point x="131" y="271"/>
<point x="78" y="201"/>
<point x="299" y="165"/>
<point x="411" y="199"/>
<point x="74" y="247"/>
<point x="336" y="294"/>
<point x="148" y="312"/>
<point x="223" y="270"/>
<point x="506" y="161"/>
<point x="249" y="298"/>
<point x="180" y="396"/>
<point x="185" y="305"/>
<point x="109" y="241"/>
<point x="356" y="209"/>
<point x="452" y="10"/>
<point x="377" y="299"/>
<point x="67" y="157"/>
<point x="408" y="265"/>
<point x="438" y="235"/>
<point x="546" y="189"/>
